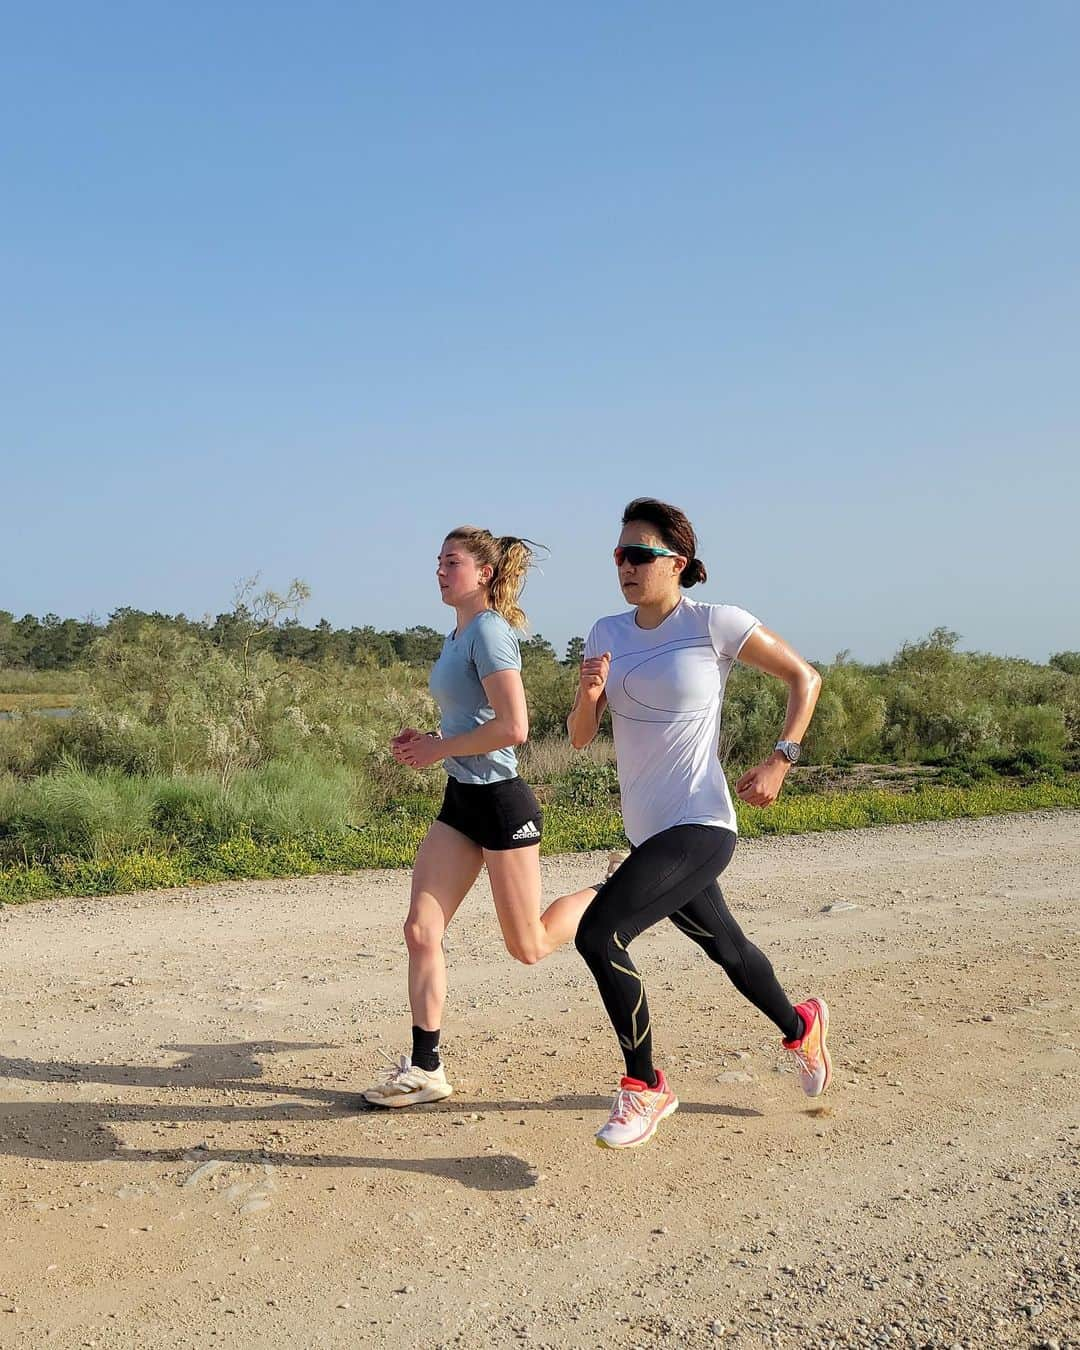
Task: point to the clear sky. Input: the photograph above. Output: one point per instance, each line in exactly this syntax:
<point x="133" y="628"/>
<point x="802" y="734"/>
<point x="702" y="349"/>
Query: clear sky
<point x="299" y="287"/>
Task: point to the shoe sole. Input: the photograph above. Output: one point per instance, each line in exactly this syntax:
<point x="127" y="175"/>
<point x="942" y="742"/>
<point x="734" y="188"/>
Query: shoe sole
<point x="637" y="1143"/>
<point x="400" y="1099"/>
<point x="824" y="1015"/>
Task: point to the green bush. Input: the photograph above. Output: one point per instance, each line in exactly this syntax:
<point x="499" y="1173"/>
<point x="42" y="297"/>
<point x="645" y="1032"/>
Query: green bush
<point x="586" y="784"/>
<point x="73" y="812"/>
<point x="393" y="842"/>
<point x="198" y="752"/>
<point x="102" y="813"/>
<point x="549" y="689"/>
<point x="1032" y="764"/>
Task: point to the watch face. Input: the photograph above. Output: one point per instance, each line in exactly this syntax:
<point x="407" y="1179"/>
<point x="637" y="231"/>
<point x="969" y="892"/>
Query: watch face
<point x="790" y="750"/>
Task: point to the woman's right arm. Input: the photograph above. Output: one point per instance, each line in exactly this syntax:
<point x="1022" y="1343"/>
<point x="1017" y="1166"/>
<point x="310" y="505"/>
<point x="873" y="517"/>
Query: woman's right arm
<point x="590" y="702"/>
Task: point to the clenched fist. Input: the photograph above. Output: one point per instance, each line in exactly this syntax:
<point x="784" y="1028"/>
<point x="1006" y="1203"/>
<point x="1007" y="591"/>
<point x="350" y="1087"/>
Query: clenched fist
<point x="594" y="673"/>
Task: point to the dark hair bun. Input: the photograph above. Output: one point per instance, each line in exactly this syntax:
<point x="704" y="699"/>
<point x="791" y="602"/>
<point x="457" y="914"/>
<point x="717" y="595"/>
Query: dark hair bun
<point x="693" y="572"/>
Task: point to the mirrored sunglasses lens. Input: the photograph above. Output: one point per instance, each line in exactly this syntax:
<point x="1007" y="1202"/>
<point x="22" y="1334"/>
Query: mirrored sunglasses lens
<point x="636" y="556"/>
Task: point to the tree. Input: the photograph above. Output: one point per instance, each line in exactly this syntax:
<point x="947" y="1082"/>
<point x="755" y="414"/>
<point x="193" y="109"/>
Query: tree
<point x="12" y="646"/>
<point x="575" y="652"/>
<point x="1069" y="662"/>
<point x="418" y="646"/>
<point x="538" y="646"/>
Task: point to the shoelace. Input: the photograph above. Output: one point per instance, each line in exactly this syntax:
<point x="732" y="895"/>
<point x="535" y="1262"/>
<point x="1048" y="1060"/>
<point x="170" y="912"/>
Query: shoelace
<point x="805" y="1060"/>
<point x="627" y="1103"/>
<point x="401" y="1069"/>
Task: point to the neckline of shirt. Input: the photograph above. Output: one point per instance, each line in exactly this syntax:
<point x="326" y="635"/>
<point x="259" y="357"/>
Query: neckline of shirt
<point x="663" y="622"/>
<point x="455" y="636"/>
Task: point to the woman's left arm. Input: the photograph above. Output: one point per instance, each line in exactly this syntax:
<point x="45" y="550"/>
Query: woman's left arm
<point x="765" y="650"/>
<point x="509" y="726"/>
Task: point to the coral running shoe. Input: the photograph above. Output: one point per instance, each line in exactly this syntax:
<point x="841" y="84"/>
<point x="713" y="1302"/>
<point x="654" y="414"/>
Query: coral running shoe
<point x="637" y="1112"/>
<point x="811" y="1053"/>
<point x="408" y="1085"/>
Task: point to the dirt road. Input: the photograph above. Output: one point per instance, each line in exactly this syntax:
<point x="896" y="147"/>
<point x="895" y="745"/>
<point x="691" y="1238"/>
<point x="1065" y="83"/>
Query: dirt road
<point x="182" y="1161"/>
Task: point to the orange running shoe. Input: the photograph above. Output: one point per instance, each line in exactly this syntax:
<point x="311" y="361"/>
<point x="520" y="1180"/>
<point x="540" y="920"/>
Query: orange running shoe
<point x="811" y="1053"/>
<point x="636" y="1112"/>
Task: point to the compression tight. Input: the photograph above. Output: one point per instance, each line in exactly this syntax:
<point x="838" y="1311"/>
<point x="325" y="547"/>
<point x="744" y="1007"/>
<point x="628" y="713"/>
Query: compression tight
<point x="672" y="876"/>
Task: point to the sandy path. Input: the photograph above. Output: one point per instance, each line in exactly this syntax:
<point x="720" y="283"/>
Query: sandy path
<point x="182" y="1162"/>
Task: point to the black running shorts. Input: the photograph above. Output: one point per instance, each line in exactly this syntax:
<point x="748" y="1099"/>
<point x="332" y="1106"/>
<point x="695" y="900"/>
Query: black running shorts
<point x="496" y="816"/>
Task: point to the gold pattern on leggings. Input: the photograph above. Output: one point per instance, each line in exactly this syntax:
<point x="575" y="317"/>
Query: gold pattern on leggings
<point x="638" y="1036"/>
<point x="689" y="927"/>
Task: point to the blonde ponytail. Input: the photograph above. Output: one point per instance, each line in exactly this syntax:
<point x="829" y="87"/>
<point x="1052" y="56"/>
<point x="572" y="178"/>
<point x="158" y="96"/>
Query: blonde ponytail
<point x="515" y="557"/>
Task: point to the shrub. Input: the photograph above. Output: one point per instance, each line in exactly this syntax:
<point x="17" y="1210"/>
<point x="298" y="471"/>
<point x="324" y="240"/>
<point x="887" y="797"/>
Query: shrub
<point x="586" y="783"/>
<point x="1030" y="763"/>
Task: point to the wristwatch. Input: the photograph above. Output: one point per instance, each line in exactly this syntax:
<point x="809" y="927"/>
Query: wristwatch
<point x="791" y="750"/>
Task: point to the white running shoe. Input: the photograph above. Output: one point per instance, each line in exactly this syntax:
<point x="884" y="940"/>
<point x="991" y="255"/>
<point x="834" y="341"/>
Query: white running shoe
<point x="636" y="1112"/>
<point x="614" y="862"/>
<point x="408" y="1085"/>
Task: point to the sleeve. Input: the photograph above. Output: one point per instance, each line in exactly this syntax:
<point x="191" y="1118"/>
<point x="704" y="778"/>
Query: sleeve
<point x="729" y="627"/>
<point x="495" y="648"/>
<point x="594" y="643"/>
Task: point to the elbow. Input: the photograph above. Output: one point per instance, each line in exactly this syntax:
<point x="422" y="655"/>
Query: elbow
<point x="518" y="731"/>
<point x="812" y="685"/>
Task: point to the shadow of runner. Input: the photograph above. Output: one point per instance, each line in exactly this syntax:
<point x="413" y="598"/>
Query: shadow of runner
<point x="233" y="1067"/>
<point x="210" y="1066"/>
<point x="83" y="1131"/>
<point x="74" y="1132"/>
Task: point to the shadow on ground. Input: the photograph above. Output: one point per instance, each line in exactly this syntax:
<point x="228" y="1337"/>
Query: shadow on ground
<point x="84" y="1131"/>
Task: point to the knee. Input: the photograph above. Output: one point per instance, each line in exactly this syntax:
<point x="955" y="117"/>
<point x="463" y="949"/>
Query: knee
<point x="422" y="937"/>
<point x="591" y="939"/>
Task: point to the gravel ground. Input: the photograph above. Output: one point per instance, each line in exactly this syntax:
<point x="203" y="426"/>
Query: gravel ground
<point x="183" y="1161"/>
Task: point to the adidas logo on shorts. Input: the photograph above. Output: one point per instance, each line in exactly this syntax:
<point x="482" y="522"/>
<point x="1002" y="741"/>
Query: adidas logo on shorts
<point x="527" y="831"/>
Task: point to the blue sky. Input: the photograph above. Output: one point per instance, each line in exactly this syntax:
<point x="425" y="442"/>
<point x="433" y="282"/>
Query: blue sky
<point x="294" y="289"/>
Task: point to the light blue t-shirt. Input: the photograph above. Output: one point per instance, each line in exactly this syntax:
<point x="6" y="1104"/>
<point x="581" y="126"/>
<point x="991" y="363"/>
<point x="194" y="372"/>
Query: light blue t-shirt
<point x="486" y="644"/>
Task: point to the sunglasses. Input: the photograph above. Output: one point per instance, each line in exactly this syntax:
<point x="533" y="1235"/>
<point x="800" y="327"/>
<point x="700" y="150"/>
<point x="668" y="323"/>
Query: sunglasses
<point x="637" y="555"/>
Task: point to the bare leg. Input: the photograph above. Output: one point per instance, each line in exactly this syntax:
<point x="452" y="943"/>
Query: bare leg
<point x="446" y="866"/>
<point x="515" y="885"/>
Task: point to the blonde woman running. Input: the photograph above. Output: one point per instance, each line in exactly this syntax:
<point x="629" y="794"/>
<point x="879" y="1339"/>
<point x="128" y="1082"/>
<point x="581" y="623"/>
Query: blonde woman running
<point x="661" y="667"/>
<point x="489" y="816"/>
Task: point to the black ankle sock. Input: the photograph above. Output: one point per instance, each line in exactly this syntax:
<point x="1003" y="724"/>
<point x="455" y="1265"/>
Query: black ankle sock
<point x="644" y="1073"/>
<point x="425" y="1049"/>
<point x="800" y="1028"/>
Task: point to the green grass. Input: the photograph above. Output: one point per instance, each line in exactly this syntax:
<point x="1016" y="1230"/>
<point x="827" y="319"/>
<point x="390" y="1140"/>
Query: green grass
<point x="14" y="702"/>
<point x="138" y="858"/>
<point x="854" y="810"/>
<point x="57" y="684"/>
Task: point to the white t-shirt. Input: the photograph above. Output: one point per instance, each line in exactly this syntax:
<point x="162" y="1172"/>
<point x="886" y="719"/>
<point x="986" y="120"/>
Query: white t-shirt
<point x="665" y="690"/>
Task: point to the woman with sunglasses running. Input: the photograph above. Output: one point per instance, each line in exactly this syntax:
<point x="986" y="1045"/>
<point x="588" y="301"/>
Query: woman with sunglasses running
<point x="489" y="816"/>
<point x="661" y="668"/>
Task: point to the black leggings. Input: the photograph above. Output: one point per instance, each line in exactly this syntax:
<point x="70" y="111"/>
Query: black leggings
<point x="672" y="876"/>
